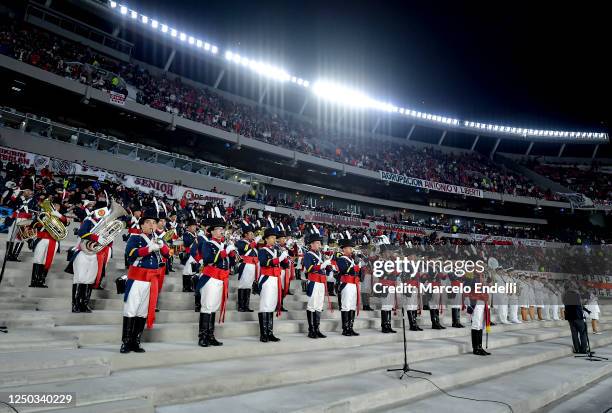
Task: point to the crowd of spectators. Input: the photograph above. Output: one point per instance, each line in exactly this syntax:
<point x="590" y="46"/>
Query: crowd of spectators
<point x="593" y="181"/>
<point x="162" y="92"/>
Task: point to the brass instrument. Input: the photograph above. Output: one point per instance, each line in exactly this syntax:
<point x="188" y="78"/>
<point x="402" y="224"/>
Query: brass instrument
<point x="169" y="234"/>
<point x="107" y="229"/>
<point x="25" y="230"/>
<point x="51" y="223"/>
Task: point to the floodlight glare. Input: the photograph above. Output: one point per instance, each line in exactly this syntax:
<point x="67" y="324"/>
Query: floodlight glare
<point x="164" y="28"/>
<point x="191" y="40"/>
<point x="214" y="49"/>
<point x="183" y="37"/>
<point x="144" y="19"/>
<point x="113" y="4"/>
<point x="198" y="43"/>
<point x="206" y="46"/>
<point x="123" y="10"/>
<point x="229" y="55"/>
<point x="173" y="32"/>
<point x="306" y="83"/>
<point x="154" y="24"/>
<point x="133" y="14"/>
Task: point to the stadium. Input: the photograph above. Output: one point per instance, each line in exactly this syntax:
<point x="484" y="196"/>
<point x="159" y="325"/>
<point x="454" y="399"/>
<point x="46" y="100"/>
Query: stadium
<point x="188" y="225"/>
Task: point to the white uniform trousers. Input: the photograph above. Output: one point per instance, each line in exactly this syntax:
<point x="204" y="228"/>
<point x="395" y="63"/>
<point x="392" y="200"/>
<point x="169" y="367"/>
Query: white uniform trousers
<point x="388" y="302"/>
<point x="478" y="318"/>
<point x="268" y="296"/>
<point x="40" y="252"/>
<point x="85" y="268"/>
<point x="501" y="307"/>
<point x="187" y="268"/>
<point x="247" y="276"/>
<point x="513" y="309"/>
<point x="348" y="297"/>
<point x="317" y="298"/>
<point x="211" y="295"/>
<point x="137" y="303"/>
<point x="411" y="302"/>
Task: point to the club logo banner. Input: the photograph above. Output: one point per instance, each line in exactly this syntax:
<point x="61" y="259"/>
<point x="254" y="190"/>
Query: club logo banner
<point x="197" y="195"/>
<point x="431" y="185"/>
<point x="322" y="217"/>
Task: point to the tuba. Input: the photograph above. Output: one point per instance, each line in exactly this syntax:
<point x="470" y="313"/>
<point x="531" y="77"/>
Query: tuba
<point x="108" y="228"/>
<point x="51" y="223"/>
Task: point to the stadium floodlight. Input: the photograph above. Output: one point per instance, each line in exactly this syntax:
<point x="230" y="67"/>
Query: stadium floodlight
<point x="133" y="14"/>
<point x="191" y="40"/>
<point x="183" y="37"/>
<point x="293" y="79"/>
<point x="123" y="10"/>
<point x="301" y="82"/>
<point x="144" y="19"/>
<point x="306" y="83"/>
<point x="154" y="24"/>
<point x="495" y="127"/>
<point x="206" y="46"/>
<point x="340" y="94"/>
<point x="113" y="4"/>
<point x="164" y="28"/>
<point x="229" y="55"/>
<point x="173" y="32"/>
<point x="199" y="43"/>
<point x="214" y="49"/>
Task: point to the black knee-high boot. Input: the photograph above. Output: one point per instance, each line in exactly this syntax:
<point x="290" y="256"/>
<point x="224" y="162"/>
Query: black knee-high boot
<point x="203" y="330"/>
<point x="9" y="250"/>
<point x="263" y="329"/>
<point x="84" y="294"/>
<point x="310" y="318"/>
<point x="330" y="288"/>
<point x="456" y="314"/>
<point x="35" y="277"/>
<point x="211" y="332"/>
<point x="247" y="300"/>
<point x="240" y="300"/>
<point x="386" y="321"/>
<point x="42" y="277"/>
<point x="437" y="315"/>
<point x="345" y="317"/>
<point x="126" y="335"/>
<point x="198" y="301"/>
<point x="316" y="321"/>
<point x="351" y="322"/>
<point x="75" y="299"/>
<point x="270" y="327"/>
<point x="139" y="325"/>
<point x="412" y="320"/>
<point x="187" y="283"/>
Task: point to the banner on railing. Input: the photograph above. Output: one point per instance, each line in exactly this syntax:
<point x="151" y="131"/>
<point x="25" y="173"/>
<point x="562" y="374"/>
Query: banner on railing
<point x="158" y="188"/>
<point x="431" y="185"/>
<point x="400" y="228"/>
<point x="322" y="217"/>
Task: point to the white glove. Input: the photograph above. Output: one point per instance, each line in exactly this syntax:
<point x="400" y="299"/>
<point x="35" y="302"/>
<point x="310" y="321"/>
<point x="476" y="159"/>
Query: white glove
<point x="325" y="264"/>
<point x="283" y="256"/>
<point x="258" y="238"/>
<point x="230" y="248"/>
<point x="154" y="247"/>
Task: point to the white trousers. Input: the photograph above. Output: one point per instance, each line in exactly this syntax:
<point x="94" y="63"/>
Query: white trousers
<point x="211" y="295"/>
<point x="137" y="303"/>
<point x="85" y="268"/>
<point x="187" y="268"/>
<point x="348" y="297"/>
<point x="478" y="319"/>
<point x="40" y="252"/>
<point x="317" y="298"/>
<point x="247" y="277"/>
<point x="268" y="296"/>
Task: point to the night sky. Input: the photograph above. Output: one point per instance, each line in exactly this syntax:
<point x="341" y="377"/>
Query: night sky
<point x="514" y="63"/>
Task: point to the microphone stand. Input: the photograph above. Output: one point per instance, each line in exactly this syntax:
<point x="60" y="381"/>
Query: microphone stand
<point x="405" y="369"/>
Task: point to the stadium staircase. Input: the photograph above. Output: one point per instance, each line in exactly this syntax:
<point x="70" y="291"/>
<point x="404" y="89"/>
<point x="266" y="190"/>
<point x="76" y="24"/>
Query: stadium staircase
<point x="50" y="349"/>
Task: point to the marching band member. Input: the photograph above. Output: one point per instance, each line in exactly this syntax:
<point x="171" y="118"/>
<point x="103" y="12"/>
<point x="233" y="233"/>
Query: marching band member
<point x="287" y="271"/>
<point x="411" y="298"/>
<point x="513" y="300"/>
<point x="479" y="309"/>
<point x="389" y="299"/>
<point x="348" y="290"/>
<point x="133" y="227"/>
<point x="88" y="269"/>
<point x="171" y="226"/>
<point x="45" y="248"/>
<point x="248" y="268"/>
<point x="189" y="244"/>
<point x="435" y="300"/>
<point x="500" y="300"/>
<point x="140" y="297"/>
<point x="270" y="288"/>
<point x="455" y="300"/>
<point x="314" y="268"/>
<point x="196" y="264"/>
<point x="159" y="234"/>
<point x="23" y="203"/>
<point x="213" y="281"/>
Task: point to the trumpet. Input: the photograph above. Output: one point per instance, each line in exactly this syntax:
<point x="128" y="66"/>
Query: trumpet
<point x="169" y="234"/>
<point x="52" y="224"/>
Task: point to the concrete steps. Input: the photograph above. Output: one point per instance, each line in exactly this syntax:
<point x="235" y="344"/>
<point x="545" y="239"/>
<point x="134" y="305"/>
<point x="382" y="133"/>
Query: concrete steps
<point x="238" y="376"/>
<point x="380" y="390"/>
